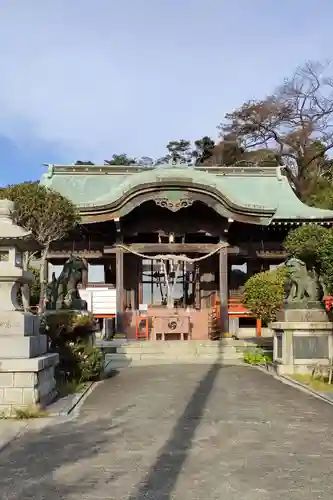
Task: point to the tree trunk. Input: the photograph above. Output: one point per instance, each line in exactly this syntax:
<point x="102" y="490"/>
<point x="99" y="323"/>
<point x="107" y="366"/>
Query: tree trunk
<point x="25" y="289"/>
<point x="42" y="277"/>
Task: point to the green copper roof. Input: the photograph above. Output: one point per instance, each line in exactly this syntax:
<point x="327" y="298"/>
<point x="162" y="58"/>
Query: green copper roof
<point x="260" y="189"/>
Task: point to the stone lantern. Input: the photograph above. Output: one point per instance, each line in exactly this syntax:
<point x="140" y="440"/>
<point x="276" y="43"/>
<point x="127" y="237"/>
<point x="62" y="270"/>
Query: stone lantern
<point x="26" y="368"/>
<point x="14" y="240"/>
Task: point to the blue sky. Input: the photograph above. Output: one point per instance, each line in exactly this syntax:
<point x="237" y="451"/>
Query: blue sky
<point x="85" y="79"/>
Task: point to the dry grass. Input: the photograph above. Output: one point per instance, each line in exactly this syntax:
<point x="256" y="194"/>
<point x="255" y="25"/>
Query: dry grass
<point x="25" y="413"/>
<point x="319" y="384"/>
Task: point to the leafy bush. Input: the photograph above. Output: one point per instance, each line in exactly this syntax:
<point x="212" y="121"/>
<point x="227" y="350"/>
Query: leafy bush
<point x="264" y="293"/>
<point x="65" y="325"/>
<point x="90" y="361"/>
<point x="256" y="356"/>
<point x="79" y="362"/>
<point x="70" y="334"/>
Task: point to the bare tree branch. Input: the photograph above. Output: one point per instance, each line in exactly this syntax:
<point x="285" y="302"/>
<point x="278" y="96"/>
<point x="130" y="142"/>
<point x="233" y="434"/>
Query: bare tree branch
<point x="296" y="122"/>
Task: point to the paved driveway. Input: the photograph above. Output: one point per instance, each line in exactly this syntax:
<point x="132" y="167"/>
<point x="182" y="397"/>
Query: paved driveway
<point x="182" y="432"/>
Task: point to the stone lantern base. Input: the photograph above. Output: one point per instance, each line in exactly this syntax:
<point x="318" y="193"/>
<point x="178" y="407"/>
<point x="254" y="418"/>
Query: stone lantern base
<point x="302" y="339"/>
<point x="26" y="369"/>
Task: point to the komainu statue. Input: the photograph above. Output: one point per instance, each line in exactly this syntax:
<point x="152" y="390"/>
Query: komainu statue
<point x="62" y="293"/>
<point x="302" y="286"/>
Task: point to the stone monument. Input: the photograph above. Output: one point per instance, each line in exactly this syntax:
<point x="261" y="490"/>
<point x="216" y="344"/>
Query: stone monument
<point x="26" y="368"/>
<point x="302" y="330"/>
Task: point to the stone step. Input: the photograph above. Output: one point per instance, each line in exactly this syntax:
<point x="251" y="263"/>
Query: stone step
<point x="168" y="349"/>
<point x="121" y="361"/>
<point x="122" y="354"/>
<point x="175" y="355"/>
<point x="113" y="345"/>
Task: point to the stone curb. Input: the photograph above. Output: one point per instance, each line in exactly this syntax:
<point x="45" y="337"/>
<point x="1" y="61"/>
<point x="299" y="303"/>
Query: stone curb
<point x="12" y="436"/>
<point x="64" y="406"/>
<point x="72" y="402"/>
<point x="293" y="383"/>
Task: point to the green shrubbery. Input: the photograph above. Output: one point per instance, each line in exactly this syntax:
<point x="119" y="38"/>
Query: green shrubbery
<point x="264" y="293"/>
<point x="256" y="356"/>
<point x="70" y="334"/>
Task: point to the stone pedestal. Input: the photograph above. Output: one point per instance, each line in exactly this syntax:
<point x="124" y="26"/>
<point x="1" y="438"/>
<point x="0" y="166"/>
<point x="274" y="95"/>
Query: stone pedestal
<point x="26" y="369"/>
<point x="302" y="339"/>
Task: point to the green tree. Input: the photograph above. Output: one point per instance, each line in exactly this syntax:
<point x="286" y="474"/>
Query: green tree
<point x="178" y="151"/>
<point x="145" y="161"/>
<point x="326" y="262"/>
<point x="291" y="121"/>
<point x="225" y="153"/>
<point x="314" y="245"/>
<point x="46" y="213"/>
<point x="121" y="159"/>
<point x="79" y="162"/>
<point x="321" y="195"/>
<point x="264" y="293"/>
<point x="306" y="243"/>
<point x="203" y="149"/>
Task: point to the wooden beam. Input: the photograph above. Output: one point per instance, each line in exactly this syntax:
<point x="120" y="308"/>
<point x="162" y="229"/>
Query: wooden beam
<point x="85" y="254"/>
<point x="246" y="250"/>
<point x="157" y="248"/>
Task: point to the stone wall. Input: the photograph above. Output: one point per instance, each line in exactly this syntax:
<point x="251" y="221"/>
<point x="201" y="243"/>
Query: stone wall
<point x="26" y="383"/>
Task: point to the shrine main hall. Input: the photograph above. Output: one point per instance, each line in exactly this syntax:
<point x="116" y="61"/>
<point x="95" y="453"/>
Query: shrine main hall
<point x="175" y="237"/>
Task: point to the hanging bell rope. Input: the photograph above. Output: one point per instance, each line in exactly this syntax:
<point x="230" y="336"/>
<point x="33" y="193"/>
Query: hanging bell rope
<point x="172" y="257"/>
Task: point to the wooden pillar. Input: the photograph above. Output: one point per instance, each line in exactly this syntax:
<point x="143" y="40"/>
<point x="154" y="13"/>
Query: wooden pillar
<point x="119" y="287"/>
<point x="224" y="294"/>
<point x="196" y="286"/>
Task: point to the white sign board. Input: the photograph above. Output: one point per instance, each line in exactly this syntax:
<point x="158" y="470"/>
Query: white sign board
<point x="100" y="300"/>
<point x="86" y="295"/>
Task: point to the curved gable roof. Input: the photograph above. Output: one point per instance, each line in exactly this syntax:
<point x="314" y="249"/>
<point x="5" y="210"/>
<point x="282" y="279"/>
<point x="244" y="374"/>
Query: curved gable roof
<point x="251" y="189"/>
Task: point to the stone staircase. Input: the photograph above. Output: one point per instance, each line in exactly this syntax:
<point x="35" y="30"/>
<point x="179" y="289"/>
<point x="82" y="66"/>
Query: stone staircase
<point x="120" y="353"/>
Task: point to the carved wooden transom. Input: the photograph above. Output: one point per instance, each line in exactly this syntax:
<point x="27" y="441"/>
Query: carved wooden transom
<point x="173" y="205"/>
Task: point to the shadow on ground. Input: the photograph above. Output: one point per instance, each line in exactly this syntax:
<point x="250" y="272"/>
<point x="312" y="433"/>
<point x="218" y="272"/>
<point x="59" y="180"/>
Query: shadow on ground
<point x="164" y="473"/>
<point x="29" y="465"/>
<point x="56" y="461"/>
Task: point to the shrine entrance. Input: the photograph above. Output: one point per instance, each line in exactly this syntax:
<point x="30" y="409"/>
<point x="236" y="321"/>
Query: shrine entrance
<point x="171" y="305"/>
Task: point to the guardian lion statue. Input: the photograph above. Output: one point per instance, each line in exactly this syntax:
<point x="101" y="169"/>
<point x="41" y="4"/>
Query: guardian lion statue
<point x="62" y="293"/>
<point x="302" y="285"/>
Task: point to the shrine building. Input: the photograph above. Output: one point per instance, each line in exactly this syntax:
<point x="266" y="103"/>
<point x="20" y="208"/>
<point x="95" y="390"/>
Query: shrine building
<point x="214" y="225"/>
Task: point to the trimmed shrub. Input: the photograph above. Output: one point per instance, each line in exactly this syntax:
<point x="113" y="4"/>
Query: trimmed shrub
<point x="264" y="293"/>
